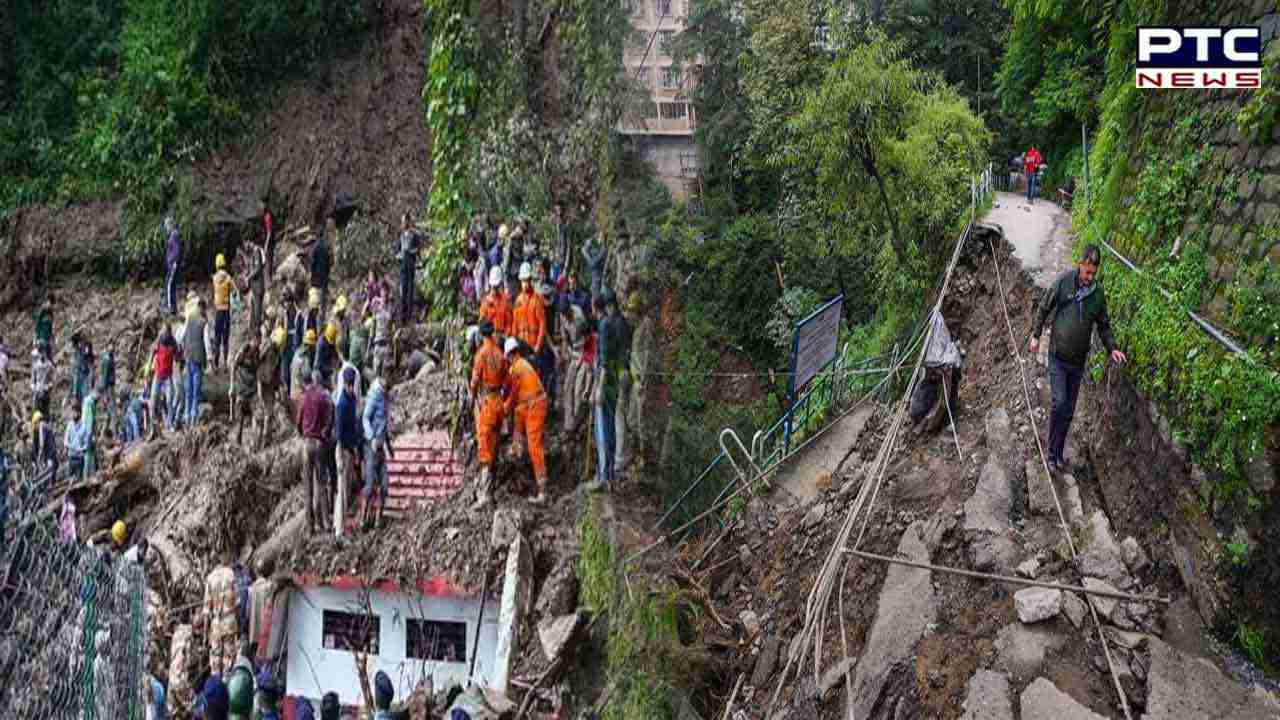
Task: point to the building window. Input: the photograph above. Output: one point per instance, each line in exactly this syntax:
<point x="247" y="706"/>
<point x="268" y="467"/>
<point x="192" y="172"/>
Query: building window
<point x="670" y="77"/>
<point x="431" y="640"/>
<point x="664" y="41"/>
<point x="673" y="110"/>
<point x="643" y="76"/>
<point x="663" y="7"/>
<point x="351" y="631"/>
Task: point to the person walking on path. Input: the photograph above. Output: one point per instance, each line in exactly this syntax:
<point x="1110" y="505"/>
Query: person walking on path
<point x="245" y="373"/>
<point x="410" y="241"/>
<point x="1031" y="163"/>
<point x="172" y="261"/>
<point x="41" y="380"/>
<point x="44" y="328"/>
<point x="269" y="244"/>
<point x="270" y="387"/>
<point x="321" y="263"/>
<point x="164" y="397"/>
<point x="107" y="386"/>
<point x="315" y="415"/>
<point x="612" y="375"/>
<point x="1077" y="304"/>
<point x="350" y="440"/>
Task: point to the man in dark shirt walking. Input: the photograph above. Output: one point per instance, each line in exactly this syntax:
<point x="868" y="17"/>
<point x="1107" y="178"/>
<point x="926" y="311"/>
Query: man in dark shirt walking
<point x="1076" y="304"/>
<point x="315" y="417"/>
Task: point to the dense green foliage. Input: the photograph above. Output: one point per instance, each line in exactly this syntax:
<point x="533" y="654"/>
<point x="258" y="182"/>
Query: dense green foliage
<point x="108" y="97"/>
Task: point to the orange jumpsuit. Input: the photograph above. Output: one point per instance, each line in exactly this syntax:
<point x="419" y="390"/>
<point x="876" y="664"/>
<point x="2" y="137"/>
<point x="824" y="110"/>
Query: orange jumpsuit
<point x="488" y="376"/>
<point x="530" y="320"/>
<point x="496" y="308"/>
<point x="529" y="401"/>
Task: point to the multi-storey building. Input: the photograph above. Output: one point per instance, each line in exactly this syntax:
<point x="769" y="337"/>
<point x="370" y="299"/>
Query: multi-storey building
<point x="663" y="126"/>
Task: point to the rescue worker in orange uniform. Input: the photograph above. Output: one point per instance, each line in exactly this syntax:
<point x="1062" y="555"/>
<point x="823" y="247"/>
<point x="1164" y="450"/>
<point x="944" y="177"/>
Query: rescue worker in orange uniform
<point x="530" y="317"/>
<point x="488" y="377"/>
<point x="496" y="306"/>
<point x="527" y="399"/>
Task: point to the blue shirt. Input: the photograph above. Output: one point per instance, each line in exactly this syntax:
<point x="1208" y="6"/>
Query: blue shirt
<point x="375" y="413"/>
<point x="349" y="430"/>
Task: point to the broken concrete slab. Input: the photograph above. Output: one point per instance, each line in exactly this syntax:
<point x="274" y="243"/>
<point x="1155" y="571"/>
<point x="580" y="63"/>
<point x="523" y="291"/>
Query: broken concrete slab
<point x="906" y="607"/>
<point x="1184" y="686"/>
<point x="1029" y="568"/>
<point x="834" y="676"/>
<point x="1035" y="604"/>
<point x="1105" y="606"/>
<point x="507" y="523"/>
<point x="1042" y="700"/>
<point x="516" y="591"/>
<point x="766" y="662"/>
<point x="993" y="553"/>
<point x="988" y="697"/>
<point x="1134" y="556"/>
<point x="1073" y="607"/>
<point x="987" y="510"/>
<point x="1000" y="438"/>
<point x="1099" y="553"/>
<point x="1021" y="649"/>
<point x="750" y="622"/>
<point x="555" y="634"/>
<point x="1039" y="489"/>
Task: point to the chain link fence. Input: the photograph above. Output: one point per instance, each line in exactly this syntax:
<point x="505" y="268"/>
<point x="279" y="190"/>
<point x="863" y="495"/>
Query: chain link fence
<point x="73" y="626"/>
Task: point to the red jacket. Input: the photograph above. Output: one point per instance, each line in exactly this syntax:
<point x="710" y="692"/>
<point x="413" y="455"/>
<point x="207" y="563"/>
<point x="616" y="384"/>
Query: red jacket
<point x="315" y="413"/>
<point x="1033" y="160"/>
<point x="164" y="361"/>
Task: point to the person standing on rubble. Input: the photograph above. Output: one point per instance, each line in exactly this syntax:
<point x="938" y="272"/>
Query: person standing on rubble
<point x="576" y="381"/>
<point x="44" y="452"/>
<point x="82" y="370"/>
<point x="223" y="284"/>
<point x="301" y="369"/>
<point x="268" y="244"/>
<point x="195" y="359"/>
<point x="107" y="385"/>
<point x="527" y="402"/>
<point x="410" y="242"/>
<point x="623" y="334"/>
<point x="245" y="369"/>
<point x="595" y="255"/>
<point x="44" y="328"/>
<point x="377" y="413"/>
<point x="294" y="333"/>
<point x="41" y="380"/>
<point x="350" y="438"/>
<point x="496" y="307"/>
<point x="269" y="385"/>
<point x="321" y="263"/>
<point x="172" y="261"/>
<point x="327" y="354"/>
<point x="88" y="423"/>
<point x="529" y="319"/>
<point x="1077" y="303"/>
<point x="488" y="378"/>
<point x="255" y="285"/>
<point x="612" y="374"/>
<point x="73" y="439"/>
<point x="164" y="396"/>
<point x="381" y="337"/>
<point x="315" y="415"/>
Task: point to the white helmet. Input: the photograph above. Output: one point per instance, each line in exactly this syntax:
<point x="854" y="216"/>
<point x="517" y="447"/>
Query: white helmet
<point x="495" y="276"/>
<point x="526" y="271"/>
<point x="511" y="344"/>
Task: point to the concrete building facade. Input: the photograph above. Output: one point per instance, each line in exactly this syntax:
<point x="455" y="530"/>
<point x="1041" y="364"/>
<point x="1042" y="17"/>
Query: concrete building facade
<point x="663" y="126"/>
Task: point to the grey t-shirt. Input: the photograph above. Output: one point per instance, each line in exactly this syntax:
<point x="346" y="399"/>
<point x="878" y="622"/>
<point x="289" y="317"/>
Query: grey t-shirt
<point x="193" y="341"/>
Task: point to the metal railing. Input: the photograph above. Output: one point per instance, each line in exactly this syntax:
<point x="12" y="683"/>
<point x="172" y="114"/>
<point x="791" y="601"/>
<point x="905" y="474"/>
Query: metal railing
<point x="845" y="382"/>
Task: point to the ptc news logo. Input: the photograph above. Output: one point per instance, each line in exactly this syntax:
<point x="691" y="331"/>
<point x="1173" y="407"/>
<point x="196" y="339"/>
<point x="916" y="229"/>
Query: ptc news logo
<point x="1199" y="57"/>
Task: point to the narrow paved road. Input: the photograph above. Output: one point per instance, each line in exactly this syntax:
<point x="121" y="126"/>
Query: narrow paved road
<point x="1039" y="233"/>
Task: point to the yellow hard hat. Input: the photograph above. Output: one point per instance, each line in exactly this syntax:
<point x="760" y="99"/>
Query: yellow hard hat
<point x="36" y="417"/>
<point x="277" y="336"/>
<point x="313" y="298"/>
<point x="310" y="337"/>
<point x="119" y="533"/>
<point x="503" y="231"/>
<point x="340" y="305"/>
<point x="331" y="332"/>
<point x="220" y="261"/>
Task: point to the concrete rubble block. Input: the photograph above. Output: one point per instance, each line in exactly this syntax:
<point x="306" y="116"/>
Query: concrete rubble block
<point x="1134" y="556"/>
<point x="559" y="594"/>
<point x="987" y="510"/>
<point x="508" y="522"/>
<point x="750" y="622"/>
<point x="999" y="428"/>
<point x="766" y="662"/>
<point x="1184" y="686"/>
<point x="1099" y="553"/>
<point x="1105" y="606"/>
<point x="516" y="591"/>
<point x="993" y="553"/>
<point x="814" y="517"/>
<point x="906" y="607"/>
<point x="1029" y="568"/>
<point x="1127" y="640"/>
<point x="1021" y="649"/>
<point x="556" y="634"/>
<point x="1035" y="604"/>
<point x="1042" y="700"/>
<point x="988" y="697"/>
<point x="1073" y="607"/>
<point x="1039" y="490"/>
